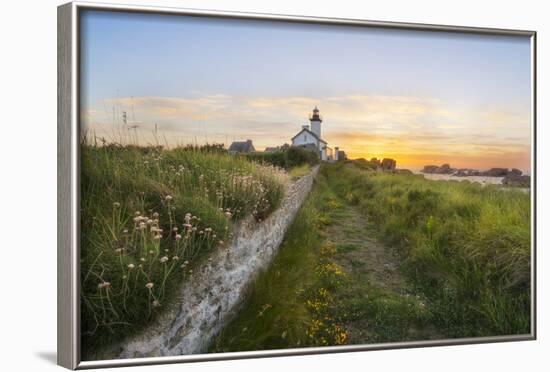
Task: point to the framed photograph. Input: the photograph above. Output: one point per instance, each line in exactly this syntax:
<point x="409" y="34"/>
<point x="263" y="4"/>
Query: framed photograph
<point x="235" y="185"/>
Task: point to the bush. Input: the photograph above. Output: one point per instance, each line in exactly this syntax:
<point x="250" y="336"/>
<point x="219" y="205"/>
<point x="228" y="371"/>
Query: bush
<point x="289" y="158"/>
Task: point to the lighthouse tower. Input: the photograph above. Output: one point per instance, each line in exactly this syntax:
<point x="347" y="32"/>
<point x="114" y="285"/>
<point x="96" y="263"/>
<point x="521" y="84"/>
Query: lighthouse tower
<point x="316" y="121"/>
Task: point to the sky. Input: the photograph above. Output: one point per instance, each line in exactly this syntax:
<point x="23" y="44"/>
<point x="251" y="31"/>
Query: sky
<point x="416" y="96"/>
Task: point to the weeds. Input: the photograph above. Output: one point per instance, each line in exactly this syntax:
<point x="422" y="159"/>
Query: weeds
<point x="299" y="171"/>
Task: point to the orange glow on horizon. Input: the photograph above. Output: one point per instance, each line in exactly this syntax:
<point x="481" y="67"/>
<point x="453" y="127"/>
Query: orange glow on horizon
<point x="415" y="131"/>
<point x="479" y="161"/>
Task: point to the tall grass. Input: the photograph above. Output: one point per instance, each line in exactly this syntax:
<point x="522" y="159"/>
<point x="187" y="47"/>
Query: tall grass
<point x="467" y="247"/>
<point x="290" y="303"/>
<point x="148" y="216"/>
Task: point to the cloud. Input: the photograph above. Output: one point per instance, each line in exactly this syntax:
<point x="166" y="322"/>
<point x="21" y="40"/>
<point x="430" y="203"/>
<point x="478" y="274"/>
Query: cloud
<point x="363" y="125"/>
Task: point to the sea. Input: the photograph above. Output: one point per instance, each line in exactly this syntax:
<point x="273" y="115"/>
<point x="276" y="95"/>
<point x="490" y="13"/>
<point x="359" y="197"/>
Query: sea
<point x="484" y="180"/>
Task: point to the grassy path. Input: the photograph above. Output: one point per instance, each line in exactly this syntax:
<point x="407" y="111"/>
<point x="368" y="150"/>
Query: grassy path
<point x="376" y="303"/>
<point x="331" y="283"/>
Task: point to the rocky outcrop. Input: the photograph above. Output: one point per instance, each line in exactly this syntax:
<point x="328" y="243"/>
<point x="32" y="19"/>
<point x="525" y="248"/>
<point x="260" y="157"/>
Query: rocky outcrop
<point x="388" y="164"/>
<point x="466" y="172"/>
<point x="210" y="296"/>
<point x="515" y="180"/>
<point x="430" y="169"/>
<point x="515" y="172"/>
<point x="513" y="176"/>
<point x="376" y="162"/>
<point x="495" y="172"/>
<point x="444" y="169"/>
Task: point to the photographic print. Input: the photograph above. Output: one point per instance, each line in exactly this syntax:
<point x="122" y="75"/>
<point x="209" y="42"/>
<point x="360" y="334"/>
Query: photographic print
<point x="263" y="184"/>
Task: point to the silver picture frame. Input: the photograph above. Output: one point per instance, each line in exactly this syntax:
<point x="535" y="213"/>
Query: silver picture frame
<point x="68" y="166"/>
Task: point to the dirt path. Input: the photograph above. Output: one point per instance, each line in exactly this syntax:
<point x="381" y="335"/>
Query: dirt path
<point x="331" y="283"/>
<point x="360" y="254"/>
<point x="376" y="304"/>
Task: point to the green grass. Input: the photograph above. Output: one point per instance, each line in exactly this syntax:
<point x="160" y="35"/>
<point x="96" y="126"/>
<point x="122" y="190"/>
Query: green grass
<point x="288" y="304"/>
<point x="148" y="216"/>
<point x="462" y="249"/>
<point x="466" y="247"/>
<point x="299" y="171"/>
<point x="382" y="316"/>
<point x="343" y="248"/>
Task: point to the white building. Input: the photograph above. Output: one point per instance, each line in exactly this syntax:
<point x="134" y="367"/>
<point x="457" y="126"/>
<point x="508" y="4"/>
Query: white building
<point x="310" y="137"/>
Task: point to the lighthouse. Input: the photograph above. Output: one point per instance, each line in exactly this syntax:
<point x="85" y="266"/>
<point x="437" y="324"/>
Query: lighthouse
<point x="316" y="121"/>
<point x="310" y="137"/>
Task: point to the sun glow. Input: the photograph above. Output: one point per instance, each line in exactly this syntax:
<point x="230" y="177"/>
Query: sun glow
<point x="413" y="131"/>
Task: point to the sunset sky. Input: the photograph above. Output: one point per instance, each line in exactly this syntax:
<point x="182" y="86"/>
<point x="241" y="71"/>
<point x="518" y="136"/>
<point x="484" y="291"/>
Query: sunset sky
<point x="418" y="97"/>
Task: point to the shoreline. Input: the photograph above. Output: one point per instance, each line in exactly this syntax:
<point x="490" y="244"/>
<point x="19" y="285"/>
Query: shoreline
<point x="484" y="180"/>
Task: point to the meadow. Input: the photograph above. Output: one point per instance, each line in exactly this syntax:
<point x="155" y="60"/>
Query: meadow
<point x="466" y="247"/>
<point x="149" y="216"/>
<point x="385" y="257"/>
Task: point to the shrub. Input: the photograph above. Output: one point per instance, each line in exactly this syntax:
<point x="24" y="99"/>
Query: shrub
<point x="289" y="158"/>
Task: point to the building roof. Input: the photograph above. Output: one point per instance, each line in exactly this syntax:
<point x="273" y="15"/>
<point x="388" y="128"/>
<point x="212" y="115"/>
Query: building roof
<point x="242" y="146"/>
<point x="310" y="132"/>
<point x="315" y="116"/>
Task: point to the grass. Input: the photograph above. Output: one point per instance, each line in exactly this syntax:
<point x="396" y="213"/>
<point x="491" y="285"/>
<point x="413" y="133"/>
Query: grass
<point x="343" y="248"/>
<point x="299" y="171"/>
<point x="466" y="247"/>
<point x="148" y="217"/>
<point x="461" y="253"/>
<point x="289" y="303"/>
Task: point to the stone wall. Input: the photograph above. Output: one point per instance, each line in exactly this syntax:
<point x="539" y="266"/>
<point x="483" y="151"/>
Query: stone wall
<point x="209" y="297"/>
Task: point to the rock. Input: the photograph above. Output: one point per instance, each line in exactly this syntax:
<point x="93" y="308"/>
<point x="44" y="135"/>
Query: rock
<point x="403" y="171"/>
<point x="496" y="172"/>
<point x="463" y="172"/>
<point x="375" y="162"/>
<point x="466" y="172"/>
<point x="430" y="169"/>
<point x="388" y="164"/>
<point x="515" y="172"/>
<point x="446" y="169"/>
<point x="514" y="180"/>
